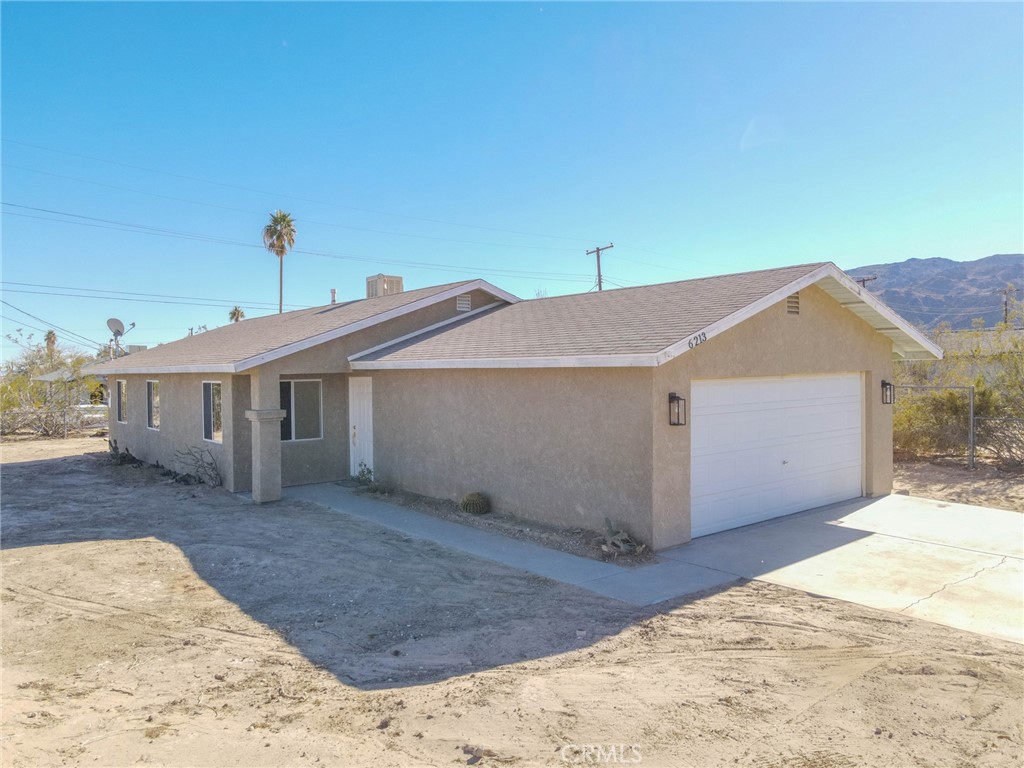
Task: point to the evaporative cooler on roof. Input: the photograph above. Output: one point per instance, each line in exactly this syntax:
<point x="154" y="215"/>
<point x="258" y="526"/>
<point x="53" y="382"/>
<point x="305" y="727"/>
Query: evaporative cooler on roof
<point x="383" y="285"/>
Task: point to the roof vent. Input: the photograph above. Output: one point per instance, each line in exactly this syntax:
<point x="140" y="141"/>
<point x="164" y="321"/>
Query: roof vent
<point x="793" y="304"/>
<point x="383" y="285"/>
<point x="463" y="303"/>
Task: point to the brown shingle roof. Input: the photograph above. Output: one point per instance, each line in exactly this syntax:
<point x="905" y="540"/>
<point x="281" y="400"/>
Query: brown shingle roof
<point x="237" y="342"/>
<point x="626" y="321"/>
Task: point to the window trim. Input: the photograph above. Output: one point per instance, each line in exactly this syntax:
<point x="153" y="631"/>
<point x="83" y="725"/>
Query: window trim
<point x="293" y="438"/>
<point x="202" y="405"/>
<point x="149" y="404"/>
<point x="121" y="406"/>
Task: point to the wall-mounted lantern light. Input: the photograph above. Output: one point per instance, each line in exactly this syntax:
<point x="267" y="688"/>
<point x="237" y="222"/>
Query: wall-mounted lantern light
<point x="888" y="393"/>
<point x="676" y="410"/>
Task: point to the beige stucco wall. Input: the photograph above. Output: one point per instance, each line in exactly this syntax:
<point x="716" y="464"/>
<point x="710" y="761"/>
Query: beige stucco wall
<point x="181" y="421"/>
<point x="241" y="435"/>
<point x="302" y="462"/>
<point x="324" y="460"/>
<point x="327" y="460"/>
<point x="567" y="446"/>
<point x="823" y="338"/>
<point x="572" y="446"/>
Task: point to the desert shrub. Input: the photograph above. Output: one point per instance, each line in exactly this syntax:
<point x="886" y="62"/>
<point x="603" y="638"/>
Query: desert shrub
<point x="938" y="421"/>
<point x="365" y="475"/>
<point x="200" y="466"/>
<point x="43" y="408"/>
<point x="1003" y="438"/>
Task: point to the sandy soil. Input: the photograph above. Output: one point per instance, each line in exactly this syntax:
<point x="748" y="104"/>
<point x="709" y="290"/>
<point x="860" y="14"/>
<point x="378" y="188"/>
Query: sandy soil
<point x="952" y="480"/>
<point x="151" y="623"/>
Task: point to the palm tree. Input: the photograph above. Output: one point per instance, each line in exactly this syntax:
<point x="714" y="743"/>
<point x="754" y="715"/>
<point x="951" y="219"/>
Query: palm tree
<point x="51" y="343"/>
<point x="278" y="237"/>
<point x="236" y="314"/>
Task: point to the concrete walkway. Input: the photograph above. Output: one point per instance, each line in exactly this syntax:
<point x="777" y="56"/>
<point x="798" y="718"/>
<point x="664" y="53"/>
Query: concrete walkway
<point x="953" y="564"/>
<point x="638" y="586"/>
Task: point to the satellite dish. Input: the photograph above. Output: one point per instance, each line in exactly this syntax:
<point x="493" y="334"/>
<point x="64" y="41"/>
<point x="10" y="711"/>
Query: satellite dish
<point x="116" y="327"/>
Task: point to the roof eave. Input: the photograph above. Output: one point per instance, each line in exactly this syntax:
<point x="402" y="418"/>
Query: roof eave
<point x="908" y="342"/>
<point x="113" y="367"/>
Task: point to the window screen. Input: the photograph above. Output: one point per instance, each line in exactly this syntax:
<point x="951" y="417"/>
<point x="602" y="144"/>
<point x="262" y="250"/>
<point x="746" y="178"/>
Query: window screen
<point x="307" y="409"/>
<point x="212" y="426"/>
<point x="153" y="403"/>
<point x="301" y="402"/>
<point x="122" y="400"/>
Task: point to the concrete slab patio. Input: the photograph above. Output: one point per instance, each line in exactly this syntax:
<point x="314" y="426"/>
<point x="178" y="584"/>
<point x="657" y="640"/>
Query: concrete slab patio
<point x="952" y="564"/>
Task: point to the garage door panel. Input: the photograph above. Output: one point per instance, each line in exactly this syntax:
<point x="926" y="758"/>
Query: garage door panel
<point x="744" y="469"/>
<point x="766" y="447"/>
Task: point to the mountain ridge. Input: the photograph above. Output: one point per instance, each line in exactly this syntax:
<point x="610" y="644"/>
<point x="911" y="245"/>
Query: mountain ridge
<point x="931" y="291"/>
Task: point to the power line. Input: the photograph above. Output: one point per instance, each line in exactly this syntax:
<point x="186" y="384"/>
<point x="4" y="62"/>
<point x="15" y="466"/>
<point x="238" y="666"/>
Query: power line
<point x="225" y="305"/>
<point x="92" y="221"/>
<point x="950" y="311"/>
<point x="23" y="325"/>
<point x="52" y="325"/>
<point x="251" y="304"/>
<point x="294" y="197"/>
<point x="655" y="266"/>
<point x="298" y="220"/>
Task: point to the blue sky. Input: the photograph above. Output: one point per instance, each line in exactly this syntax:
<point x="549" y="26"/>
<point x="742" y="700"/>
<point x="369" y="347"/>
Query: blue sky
<point x="145" y="144"/>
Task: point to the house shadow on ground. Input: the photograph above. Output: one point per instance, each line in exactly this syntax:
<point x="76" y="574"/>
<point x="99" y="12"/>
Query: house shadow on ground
<point x="374" y="607"/>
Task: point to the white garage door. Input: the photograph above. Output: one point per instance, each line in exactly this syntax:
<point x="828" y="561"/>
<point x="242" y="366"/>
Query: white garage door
<point x="767" y="447"/>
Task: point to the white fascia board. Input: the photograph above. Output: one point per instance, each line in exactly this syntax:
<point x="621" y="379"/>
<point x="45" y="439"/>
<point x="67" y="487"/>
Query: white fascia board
<point x="422" y="331"/>
<point x="382" y="317"/>
<point x="145" y="369"/>
<point x="685" y="345"/>
<point x="494" y="290"/>
<point x="587" y="361"/>
<point x="876" y="304"/>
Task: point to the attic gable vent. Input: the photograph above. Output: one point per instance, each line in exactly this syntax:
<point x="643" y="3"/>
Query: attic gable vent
<point x="463" y="303"/>
<point x="793" y="304"/>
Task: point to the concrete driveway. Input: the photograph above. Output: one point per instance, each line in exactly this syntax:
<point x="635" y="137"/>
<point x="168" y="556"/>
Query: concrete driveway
<point x="953" y="564"/>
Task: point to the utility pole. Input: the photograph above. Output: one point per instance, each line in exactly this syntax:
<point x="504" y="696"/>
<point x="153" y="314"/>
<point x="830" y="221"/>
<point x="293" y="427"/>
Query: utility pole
<point x="597" y="252"/>
<point x="865" y="280"/>
<point x="1008" y="291"/>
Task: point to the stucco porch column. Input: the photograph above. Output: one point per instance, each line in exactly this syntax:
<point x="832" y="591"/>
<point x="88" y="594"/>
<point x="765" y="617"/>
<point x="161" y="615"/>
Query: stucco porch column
<point x="266" y="416"/>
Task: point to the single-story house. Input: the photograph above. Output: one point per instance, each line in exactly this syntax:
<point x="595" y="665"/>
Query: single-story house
<point x="675" y="410"/>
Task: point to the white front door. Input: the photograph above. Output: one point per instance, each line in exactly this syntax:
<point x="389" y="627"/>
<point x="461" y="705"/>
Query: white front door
<point x="360" y="423"/>
<point x="767" y="447"/>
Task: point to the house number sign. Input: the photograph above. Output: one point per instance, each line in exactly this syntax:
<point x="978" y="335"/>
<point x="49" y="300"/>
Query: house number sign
<point x="700" y="338"/>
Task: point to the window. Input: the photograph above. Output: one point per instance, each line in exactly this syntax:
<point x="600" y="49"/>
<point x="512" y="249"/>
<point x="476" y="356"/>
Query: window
<point x="153" y="404"/>
<point x="122" y="401"/>
<point x="212" y="427"/>
<point x="301" y="402"/>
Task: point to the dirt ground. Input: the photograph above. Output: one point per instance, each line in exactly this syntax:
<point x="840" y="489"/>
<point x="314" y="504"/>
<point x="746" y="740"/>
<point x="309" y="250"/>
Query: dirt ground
<point x="574" y="541"/>
<point x="952" y="480"/>
<point x="150" y="623"/>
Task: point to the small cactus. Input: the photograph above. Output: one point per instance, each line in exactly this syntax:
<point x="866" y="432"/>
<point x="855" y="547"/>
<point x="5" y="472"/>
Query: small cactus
<point x="475" y="503"/>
